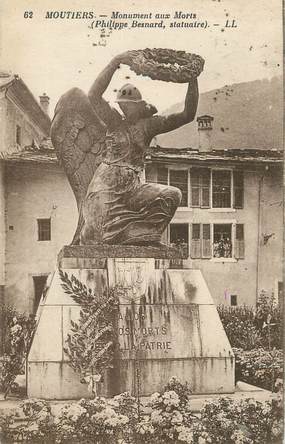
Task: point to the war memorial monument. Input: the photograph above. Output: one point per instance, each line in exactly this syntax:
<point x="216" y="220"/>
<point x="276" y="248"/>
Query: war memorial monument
<point x="168" y="324"/>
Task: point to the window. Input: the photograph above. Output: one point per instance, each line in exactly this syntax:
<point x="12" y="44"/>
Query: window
<point x="200" y="187"/>
<point x="39" y="285"/>
<point x="200" y="241"/>
<point x="176" y="178"/>
<point x="44" y="229"/>
<point x="233" y="300"/>
<point x="222" y="246"/>
<point x="179" y="236"/>
<point x="18" y="135"/>
<point x="223" y="241"/>
<point x="208" y="188"/>
<point x="179" y="179"/>
<point x="221" y="189"/>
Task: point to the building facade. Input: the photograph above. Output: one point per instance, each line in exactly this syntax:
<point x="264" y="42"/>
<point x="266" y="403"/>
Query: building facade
<point x="230" y="218"/>
<point x="24" y="123"/>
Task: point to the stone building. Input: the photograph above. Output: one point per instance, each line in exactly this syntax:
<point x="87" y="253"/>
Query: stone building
<point x="24" y="124"/>
<point x="229" y="222"/>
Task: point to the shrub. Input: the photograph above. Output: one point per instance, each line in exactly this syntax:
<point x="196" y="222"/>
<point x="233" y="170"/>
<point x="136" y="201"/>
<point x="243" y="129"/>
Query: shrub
<point x="18" y="330"/>
<point x="169" y="418"/>
<point x="259" y="367"/>
<point x="256" y="337"/>
<point x="269" y="319"/>
<point x="244" y="422"/>
<point x="166" y="419"/>
<point x="240" y="327"/>
<point x="249" y="328"/>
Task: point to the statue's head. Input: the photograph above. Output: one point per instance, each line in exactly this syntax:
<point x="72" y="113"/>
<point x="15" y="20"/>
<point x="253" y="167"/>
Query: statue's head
<point x="131" y="103"/>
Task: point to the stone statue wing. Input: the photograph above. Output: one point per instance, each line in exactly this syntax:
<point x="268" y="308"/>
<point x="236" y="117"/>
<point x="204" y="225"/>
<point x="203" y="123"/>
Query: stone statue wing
<point x="78" y="135"/>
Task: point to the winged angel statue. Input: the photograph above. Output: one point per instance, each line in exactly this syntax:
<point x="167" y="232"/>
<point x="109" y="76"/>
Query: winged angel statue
<point x="102" y="150"/>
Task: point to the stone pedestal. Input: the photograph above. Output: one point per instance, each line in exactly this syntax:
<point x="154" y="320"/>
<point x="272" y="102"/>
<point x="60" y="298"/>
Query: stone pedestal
<point x="168" y="326"/>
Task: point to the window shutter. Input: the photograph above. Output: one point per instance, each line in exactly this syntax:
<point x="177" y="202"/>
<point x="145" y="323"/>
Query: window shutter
<point x="239" y="242"/>
<point x="195" y="188"/>
<point x="200" y="187"/>
<point x="196" y="241"/>
<point x="238" y="189"/>
<point x="205" y="188"/>
<point x="206" y="241"/>
<point x="162" y="175"/>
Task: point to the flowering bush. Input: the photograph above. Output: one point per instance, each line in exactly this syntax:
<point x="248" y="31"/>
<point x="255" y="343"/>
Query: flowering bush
<point x="240" y="327"/>
<point x="18" y="330"/>
<point x="31" y="422"/>
<point x="249" y="328"/>
<point x="87" y="421"/>
<point x="166" y="419"/>
<point x="256" y="337"/>
<point x="170" y="420"/>
<point x="259" y="367"/>
<point x="244" y="421"/>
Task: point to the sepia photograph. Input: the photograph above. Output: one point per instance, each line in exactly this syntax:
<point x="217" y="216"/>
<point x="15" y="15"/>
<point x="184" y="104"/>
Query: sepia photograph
<point x="141" y="222"/>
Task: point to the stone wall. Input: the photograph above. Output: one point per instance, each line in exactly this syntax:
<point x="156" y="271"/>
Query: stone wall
<point x="35" y="191"/>
<point x="270" y="269"/>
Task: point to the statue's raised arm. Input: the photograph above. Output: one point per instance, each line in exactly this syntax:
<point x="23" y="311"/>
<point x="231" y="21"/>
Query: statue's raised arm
<point x="109" y="115"/>
<point x="163" y="124"/>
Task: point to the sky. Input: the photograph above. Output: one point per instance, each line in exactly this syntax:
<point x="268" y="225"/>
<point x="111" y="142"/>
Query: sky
<point x="54" y="55"/>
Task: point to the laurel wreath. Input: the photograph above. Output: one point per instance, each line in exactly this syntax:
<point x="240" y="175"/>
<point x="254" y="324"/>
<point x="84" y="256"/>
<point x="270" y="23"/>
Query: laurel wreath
<point x="168" y="65"/>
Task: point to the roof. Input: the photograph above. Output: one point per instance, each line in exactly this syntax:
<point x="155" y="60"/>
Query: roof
<point x="45" y="153"/>
<point x="159" y="153"/>
<point x="17" y="90"/>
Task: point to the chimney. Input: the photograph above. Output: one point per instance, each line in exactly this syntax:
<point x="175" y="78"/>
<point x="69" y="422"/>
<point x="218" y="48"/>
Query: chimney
<point x="204" y="130"/>
<point x="44" y="102"/>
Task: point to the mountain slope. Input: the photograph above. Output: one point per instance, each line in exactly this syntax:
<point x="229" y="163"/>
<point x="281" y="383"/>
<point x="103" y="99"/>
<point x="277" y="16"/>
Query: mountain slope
<point x="246" y="115"/>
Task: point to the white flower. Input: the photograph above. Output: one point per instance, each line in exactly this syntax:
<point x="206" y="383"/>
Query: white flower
<point x="156" y="417"/>
<point x="186" y="435"/>
<point x="112" y="422"/>
<point x="177" y="418"/>
<point x="155" y="397"/>
<point x="239" y="437"/>
<point x="16" y="329"/>
<point x="145" y="427"/>
<point x="74" y="411"/>
<point x="171" y="398"/>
